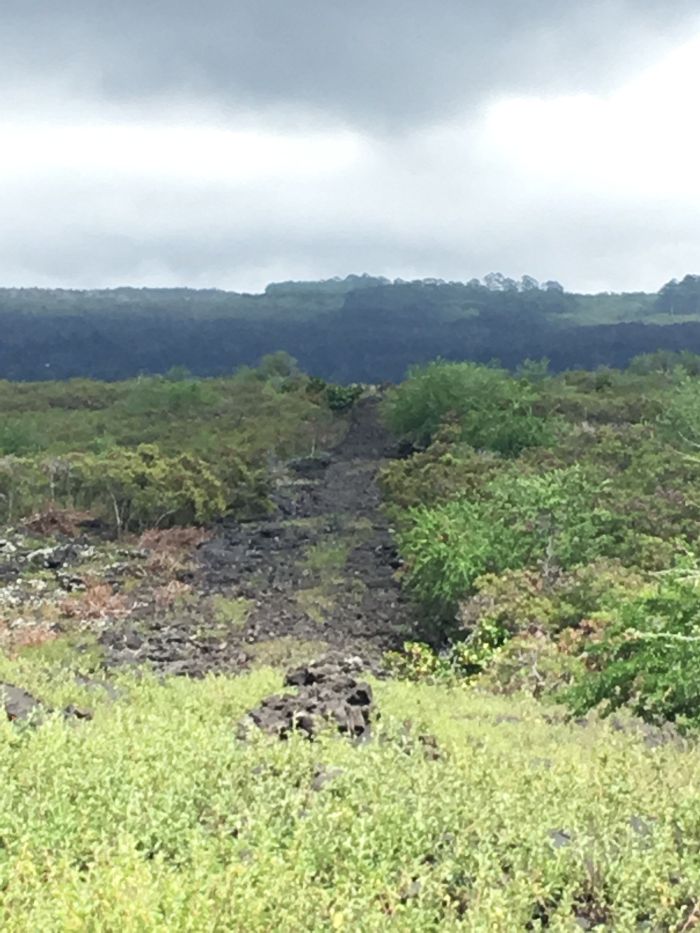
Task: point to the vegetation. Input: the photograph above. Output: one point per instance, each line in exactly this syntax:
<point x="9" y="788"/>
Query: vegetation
<point x="493" y="411"/>
<point x="534" y="758"/>
<point x="360" y="329"/>
<point x="564" y="565"/>
<point x="155" y="817"/>
<point x="161" y="450"/>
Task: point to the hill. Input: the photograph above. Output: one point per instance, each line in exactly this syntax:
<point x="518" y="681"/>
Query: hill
<point x="358" y="329"/>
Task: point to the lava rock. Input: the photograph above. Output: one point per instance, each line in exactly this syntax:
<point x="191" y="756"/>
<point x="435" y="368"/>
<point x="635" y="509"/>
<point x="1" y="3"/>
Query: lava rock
<point x="326" y="695"/>
<point x="19" y="705"/>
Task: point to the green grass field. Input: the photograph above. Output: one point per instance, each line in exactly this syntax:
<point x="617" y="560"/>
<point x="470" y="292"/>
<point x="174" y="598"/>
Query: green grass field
<point x="155" y="816"/>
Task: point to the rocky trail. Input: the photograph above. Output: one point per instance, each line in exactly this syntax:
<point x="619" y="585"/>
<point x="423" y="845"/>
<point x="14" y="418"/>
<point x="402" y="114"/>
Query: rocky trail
<point x="318" y="575"/>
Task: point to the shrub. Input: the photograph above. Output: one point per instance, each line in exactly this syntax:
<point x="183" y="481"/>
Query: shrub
<point x="340" y="398"/>
<point x="647" y="658"/>
<point x="446" y="470"/>
<point x="553" y="521"/>
<point x="493" y="410"/>
<point x="142" y="488"/>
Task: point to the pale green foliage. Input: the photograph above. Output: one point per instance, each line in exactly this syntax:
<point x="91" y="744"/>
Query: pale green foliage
<point x="215" y="437"/>
<point x="142" y="488"/>
<point x="231" y="611"/>
<point x="154" y="817"/>
<point x="681" y="418"/>
<point x="520" y="520"/>
<point x="327" y="557"/>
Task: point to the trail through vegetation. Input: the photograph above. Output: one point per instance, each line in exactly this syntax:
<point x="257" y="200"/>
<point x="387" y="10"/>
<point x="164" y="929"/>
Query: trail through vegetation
<point x="322" y="569"/>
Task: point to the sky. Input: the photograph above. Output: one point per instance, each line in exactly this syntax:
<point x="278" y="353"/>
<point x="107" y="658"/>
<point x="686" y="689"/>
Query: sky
<point x="230" y="143"/>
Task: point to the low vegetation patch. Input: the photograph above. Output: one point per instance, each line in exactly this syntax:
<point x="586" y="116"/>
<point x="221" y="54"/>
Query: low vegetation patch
<point x="231" y="611"/>
<point x="516" y="823"/>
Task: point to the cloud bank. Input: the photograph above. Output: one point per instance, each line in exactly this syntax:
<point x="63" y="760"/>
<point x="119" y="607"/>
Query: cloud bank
<point x="229" y="144"/>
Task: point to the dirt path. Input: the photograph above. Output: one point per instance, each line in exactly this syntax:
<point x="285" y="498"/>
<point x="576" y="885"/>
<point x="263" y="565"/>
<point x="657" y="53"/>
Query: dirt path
<point x="322" y="571"/>
<point x="318" y="575"/>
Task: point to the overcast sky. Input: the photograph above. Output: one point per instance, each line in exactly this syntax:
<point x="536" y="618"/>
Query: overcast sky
<point x="228" y="143"/>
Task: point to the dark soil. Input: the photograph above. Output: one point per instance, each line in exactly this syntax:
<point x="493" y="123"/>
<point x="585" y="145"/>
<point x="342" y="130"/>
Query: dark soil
<point x="318" y="575"/>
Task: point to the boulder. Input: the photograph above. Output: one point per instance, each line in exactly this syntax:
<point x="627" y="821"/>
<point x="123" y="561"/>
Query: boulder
<point x="19" y="705"/>
<point x="327" y="695"/>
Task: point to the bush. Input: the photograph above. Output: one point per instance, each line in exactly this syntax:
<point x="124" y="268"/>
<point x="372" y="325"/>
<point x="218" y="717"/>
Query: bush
<point x="446" y="470"/>
<point x="553" y="521"/>
<point x="143" y="488"/>
<point x="647" y="658"/>
<point x="493" y="410"/>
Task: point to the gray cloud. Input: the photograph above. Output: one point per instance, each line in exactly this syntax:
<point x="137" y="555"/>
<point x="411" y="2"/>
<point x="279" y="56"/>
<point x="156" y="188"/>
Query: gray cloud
<point x="370" y="62"/>
<point x="432" y="188"/>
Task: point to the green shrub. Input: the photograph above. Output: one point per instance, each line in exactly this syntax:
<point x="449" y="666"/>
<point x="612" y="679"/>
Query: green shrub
<point x="340" y="398"/>
<point x="494" y="410"/>
<point x="647" y="657"/>
<point x="447" y="469"/>
<point x="553" y="521"/>
<point x="155" y="817"/>
<point x="142" y="488"/>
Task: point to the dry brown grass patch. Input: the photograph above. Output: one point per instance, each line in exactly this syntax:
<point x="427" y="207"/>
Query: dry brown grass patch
<point x="169" y="548"/>
<point x="168" y="596"/>
<point x="99" y="601"/>
<point x="52" y="521"/>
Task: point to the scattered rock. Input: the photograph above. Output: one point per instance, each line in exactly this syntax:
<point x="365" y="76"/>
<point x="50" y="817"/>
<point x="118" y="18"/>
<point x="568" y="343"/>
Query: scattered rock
<point x="326" y="695"/>
<point x="412" y="742"/>
<point x="323" y="776"/>
<point x="409" y="891"/>
<point x="653" y="736"/>
<point x="431" y="749"/>
<point x="19" y="705"/>
<point x="328" y="668"/>
<point x="132" y="640"/>
<point x="560" y="838"/>
<point x="89" y="683"/>
<point x="70" y="582"/>
<point x="310" y="466"/>
<point x="641" y="827"/>
<point x="77" y="712"/>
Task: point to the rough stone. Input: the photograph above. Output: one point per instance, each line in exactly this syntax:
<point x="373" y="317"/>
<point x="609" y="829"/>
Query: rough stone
<point x="326" y="695"/>
<point x="19" y="705"/>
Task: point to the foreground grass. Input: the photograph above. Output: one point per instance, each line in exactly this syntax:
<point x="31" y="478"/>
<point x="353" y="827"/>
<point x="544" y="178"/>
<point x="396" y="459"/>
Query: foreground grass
<point x="155" y="817"/>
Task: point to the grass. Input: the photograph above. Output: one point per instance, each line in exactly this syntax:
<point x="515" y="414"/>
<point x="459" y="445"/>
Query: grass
<point x="327" y="556"/>
<point x="316" y="602"/>
<point x="80" y="650"/>
<point x="285" y="652"/>
<point x="155" y="817"/>
<point x="231" y="612"/>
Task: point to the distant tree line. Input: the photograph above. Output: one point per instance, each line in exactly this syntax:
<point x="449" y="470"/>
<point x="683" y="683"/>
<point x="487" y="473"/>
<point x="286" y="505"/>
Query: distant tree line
<point x="357" y="329"/>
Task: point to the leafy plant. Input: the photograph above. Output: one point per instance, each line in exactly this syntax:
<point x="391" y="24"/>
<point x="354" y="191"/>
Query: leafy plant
<point x="648" y="657"/>
<point x="553" y="520"/>
<point x="494" y="410"/>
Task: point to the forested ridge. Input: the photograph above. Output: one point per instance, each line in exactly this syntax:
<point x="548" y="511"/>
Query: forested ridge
<point x="357" y="329"/>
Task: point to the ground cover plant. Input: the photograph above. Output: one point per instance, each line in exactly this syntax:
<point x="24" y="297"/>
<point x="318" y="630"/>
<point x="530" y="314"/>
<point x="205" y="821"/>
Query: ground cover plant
<point x="154" y="815"/>
<point x="160" y="450"/>
<point x="532" y="565"/>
